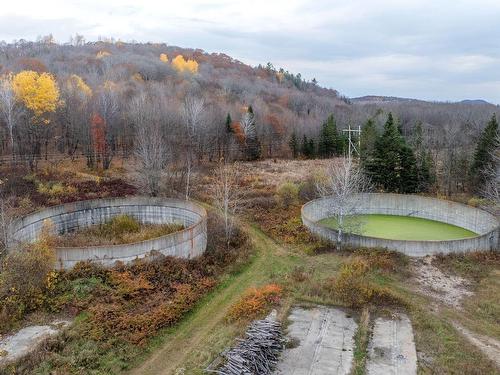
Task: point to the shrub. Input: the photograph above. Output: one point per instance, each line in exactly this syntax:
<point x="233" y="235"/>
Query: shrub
<point x="56" y="189"/>
<point x="477" y="202"/>
<point x="120" y="229"/>
<point x="28" y="275"/>
<point x="287" y="194"/>
<point x="218" y="256"/>
<point x="354" y="288"/>
<point x="121" y="224"/>
<point x="255" y="303"/>
<point x="135" y="322"/>
<point x="383" y="259"/>
<point x="308" y="189"/>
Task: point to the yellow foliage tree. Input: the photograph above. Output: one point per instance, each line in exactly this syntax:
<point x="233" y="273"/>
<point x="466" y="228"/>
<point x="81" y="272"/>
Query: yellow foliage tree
<point x="164" y="57"/>
<point x="181" y="65"/>
<point x="102" y="54"/>
<point x="38" y="92"/>
<point x="75" y="82"/>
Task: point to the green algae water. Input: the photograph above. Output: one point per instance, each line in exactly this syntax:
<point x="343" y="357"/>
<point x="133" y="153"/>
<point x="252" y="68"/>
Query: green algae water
<point x="394" y="227"/>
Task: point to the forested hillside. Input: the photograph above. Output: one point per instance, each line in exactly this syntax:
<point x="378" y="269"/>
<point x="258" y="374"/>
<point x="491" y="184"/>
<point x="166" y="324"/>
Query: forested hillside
<point x="105" y="99"/>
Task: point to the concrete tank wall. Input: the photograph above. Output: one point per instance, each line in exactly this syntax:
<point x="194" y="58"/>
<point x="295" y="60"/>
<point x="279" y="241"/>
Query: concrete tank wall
<point x="187" y="243"/>
<point x="476" y="220"/>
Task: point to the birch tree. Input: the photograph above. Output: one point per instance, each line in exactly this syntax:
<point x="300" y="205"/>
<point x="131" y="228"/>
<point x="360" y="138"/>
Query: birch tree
<point x="343" y="182"/>
<point x="9" y="108"/>
<point x="252" y="144"/>
<point x="227" y="196"/>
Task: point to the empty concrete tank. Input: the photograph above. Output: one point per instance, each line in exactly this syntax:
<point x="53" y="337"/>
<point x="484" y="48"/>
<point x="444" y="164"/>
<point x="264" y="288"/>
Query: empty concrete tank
<point x="187" y="243"/>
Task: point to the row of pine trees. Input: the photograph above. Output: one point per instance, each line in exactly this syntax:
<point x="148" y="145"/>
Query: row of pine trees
<point x="392" y="163"/>
<point x="330" y="142"/>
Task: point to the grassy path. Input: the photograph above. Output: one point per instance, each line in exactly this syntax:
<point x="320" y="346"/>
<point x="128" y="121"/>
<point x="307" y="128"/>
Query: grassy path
<point x="188" y="347"/>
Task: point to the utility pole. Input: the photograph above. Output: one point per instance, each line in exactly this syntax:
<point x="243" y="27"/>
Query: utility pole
<point x="353" y="147"/>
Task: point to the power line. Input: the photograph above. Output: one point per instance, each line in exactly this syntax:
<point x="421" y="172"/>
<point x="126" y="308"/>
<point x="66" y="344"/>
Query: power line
<point x="353" y="147"/>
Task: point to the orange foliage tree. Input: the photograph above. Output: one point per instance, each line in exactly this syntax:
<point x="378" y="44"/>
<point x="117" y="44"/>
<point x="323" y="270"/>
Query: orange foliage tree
<point x="29" y="63"/>
<point x="238" y="132"/>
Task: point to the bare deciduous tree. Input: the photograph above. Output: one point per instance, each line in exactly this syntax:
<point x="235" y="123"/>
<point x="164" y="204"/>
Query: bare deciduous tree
<point x="343" y="182"/>
<point x="150" y="150"/>
<point x="108" y="107"/>
<point x="193" y="111"/>
<point x="227" y="196"/>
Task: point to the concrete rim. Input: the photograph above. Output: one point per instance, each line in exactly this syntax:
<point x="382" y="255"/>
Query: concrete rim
<point x="432" y="246"/>
<point x="192" y="215"/>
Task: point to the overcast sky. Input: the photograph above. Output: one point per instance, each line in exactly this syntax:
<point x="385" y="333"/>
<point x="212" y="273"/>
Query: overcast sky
<point x="428" y="49"/>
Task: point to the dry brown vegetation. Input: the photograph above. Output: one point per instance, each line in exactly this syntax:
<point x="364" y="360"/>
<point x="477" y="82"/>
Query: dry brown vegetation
<point x="52" y="185"/>
<point x="121" y="229"/>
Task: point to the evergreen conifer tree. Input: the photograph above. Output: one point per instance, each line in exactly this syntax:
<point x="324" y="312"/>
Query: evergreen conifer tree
<point x="369" y="136"/>
<point x="394" y="165"/>
<point x="328" y="139"/>
<point x="311" y="149"/>
<point x="303" y="147"/>
<point x="483" y="155"/>
<point x="229" y="121"/>
<point x="294" y="145"/>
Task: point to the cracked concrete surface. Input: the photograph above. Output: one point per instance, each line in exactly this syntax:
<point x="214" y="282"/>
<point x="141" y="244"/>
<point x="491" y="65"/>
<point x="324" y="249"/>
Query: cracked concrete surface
<point x="325" y="342"/>
<point x="391" y="350"/>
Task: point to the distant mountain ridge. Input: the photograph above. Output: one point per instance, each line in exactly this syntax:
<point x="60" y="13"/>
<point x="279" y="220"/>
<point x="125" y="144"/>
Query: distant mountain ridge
<point x="394" y="99"/>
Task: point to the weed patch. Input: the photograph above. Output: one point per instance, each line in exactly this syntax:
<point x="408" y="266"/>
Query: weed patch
<point x="354" y="288"/>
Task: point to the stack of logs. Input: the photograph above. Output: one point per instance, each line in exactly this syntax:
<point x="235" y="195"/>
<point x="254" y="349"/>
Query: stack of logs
<point x="257" y="353"/>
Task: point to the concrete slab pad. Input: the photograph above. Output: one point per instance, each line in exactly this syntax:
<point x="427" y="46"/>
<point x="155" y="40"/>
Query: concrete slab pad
<point x="325" y="342"/>
<point x="15" y="346"/>
<point x="391" y="350"/>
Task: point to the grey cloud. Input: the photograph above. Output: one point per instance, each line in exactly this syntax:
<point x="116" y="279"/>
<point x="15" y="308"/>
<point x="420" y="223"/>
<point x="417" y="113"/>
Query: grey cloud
<point x="442" y="50"/>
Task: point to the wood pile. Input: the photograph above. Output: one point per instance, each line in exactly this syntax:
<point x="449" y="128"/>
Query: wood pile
<point x="257" y="353"/>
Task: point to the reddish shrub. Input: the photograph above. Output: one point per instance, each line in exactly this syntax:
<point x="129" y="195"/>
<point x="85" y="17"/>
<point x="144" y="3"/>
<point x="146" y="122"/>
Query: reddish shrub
<point x="255" y="303"/>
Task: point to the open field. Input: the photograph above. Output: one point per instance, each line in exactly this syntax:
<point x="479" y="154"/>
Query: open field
<point x="395" y="227"/>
